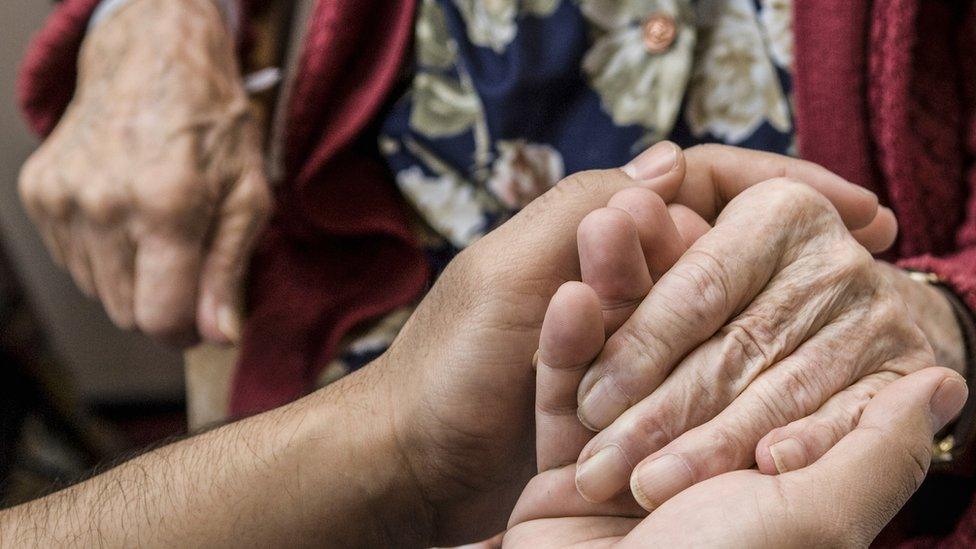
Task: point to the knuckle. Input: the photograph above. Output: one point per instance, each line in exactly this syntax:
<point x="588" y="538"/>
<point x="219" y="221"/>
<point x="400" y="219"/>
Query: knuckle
<point x="645" y="433"/>
<point x="555" y="409"/>
<point x="42" y="193"/>
<point x="749" y="345"/>
<point x="176" y="202"/>
<point x="648" y="349"/>
<point x="29" y="176"/>
<point x="259" y="198"/>
<point x="786" y="195"/>
<point x="580" y="186"/>
<point x="797" y="390"/>
<point x="707" y="285"/>
<point x="826" y="432"/>
<point x="56" y="202"/>
<point x="101" y="204"/>
<point x="163" y="326"/>
<point x="577" y="183"/>
<point x="27" y="184"/>
<point x="728" y="448"/>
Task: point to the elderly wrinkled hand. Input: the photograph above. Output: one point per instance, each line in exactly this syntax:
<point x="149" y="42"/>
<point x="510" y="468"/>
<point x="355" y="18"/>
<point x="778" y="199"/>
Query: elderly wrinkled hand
<point x="775" y="326"/>
<point x="151" y="190"/>
<point x="462" y="363"/>
<point x="843" y="499"/>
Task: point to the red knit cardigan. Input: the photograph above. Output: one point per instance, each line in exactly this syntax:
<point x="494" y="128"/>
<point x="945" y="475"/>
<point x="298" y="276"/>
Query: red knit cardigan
<point x="885" y="96"/>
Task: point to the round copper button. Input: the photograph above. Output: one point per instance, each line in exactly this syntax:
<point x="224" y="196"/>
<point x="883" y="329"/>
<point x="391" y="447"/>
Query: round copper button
<point x="659" y="32"/>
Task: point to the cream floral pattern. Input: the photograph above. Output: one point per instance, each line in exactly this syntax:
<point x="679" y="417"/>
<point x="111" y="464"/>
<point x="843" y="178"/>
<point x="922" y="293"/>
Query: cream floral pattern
<point x="447" y="202"/>
<point x="523" y="171"/>
<point x="493" y="23"/>
<point x="444" y="100"/>
<point x="436" y="48"/>
<point x="776" y="17"/>
<point x="444" y="106"/>
<point x="734" y="87"/>
<point x="451" y="204"/>
<point x="373" y="341"/>
<point x="466" y="162"/>
<point x="636" y="86"/>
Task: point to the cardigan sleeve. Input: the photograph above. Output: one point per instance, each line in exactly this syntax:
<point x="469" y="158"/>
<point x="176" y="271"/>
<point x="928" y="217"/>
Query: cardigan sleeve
<point x="958" y="266"/>
<point x="956" y="269"/>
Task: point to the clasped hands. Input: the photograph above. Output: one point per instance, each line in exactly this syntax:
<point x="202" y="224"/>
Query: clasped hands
<point x="697" y="346"/>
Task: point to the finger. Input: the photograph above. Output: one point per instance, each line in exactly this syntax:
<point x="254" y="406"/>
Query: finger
<point x="880" y="234"/>
<point x="112" y="261"/>
<point x="52" y="242"/>
<point x="803" y="441"/>
<point x="660" y="168"/>
<point x="761" y="361"/>
<point x="721" y="274"/>
<point x="547" y="227"/>
<point x="572" y="334"/>
<point x="50" y="207"/>
<point x="553" y="494"/>
<point x="659" y="237"/>
<point x="867" y="476"/>
<point x="690" y="225"/>
<point x="612" y="263"/>
<point x="165" y="293"/>
<point x="715" y="174"/>
<point x="703" y="386"/>
<point x="728" y="442"/>
<point x="78" y="263"/>
<point x="242" y="216"/>
<point x="843" y="499"/>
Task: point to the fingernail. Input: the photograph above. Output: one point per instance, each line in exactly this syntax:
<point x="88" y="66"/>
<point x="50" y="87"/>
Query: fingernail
<point x="229" y="323"/>
<point x="535" y="359"/>
<point x="654" y="483"/>
<point x="603" y="475"/>
<point x="947" y="401"/>
<point x="654" y="162"/>
<point x="603" y="404"/>
<point x="788" y="455"/>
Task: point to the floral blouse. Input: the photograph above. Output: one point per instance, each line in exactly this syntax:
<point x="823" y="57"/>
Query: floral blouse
<point x="509" y="96"/>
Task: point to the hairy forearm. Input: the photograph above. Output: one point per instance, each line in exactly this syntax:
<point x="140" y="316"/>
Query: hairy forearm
<point x="322" y="471"/>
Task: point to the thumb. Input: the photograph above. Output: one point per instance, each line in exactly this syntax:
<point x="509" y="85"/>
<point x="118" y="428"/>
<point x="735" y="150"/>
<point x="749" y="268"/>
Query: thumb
<point x="543" y="234"/>
<point x="861" y="483"/>
<point x="240" y="220"/>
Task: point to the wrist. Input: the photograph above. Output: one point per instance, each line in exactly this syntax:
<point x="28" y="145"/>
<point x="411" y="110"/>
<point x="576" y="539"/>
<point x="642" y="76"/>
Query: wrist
<point x="142" y="34"/>
<point x="381" y="497"/>
<point x="933" y="314"/>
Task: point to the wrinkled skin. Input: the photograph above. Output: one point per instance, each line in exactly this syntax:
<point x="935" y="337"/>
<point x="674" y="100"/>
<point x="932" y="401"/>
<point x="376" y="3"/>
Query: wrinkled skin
<point x="777" y="323"/>
<point x="461" y="368"/>
<point x="151" y="190"/>
<point x="842" y="499"/>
